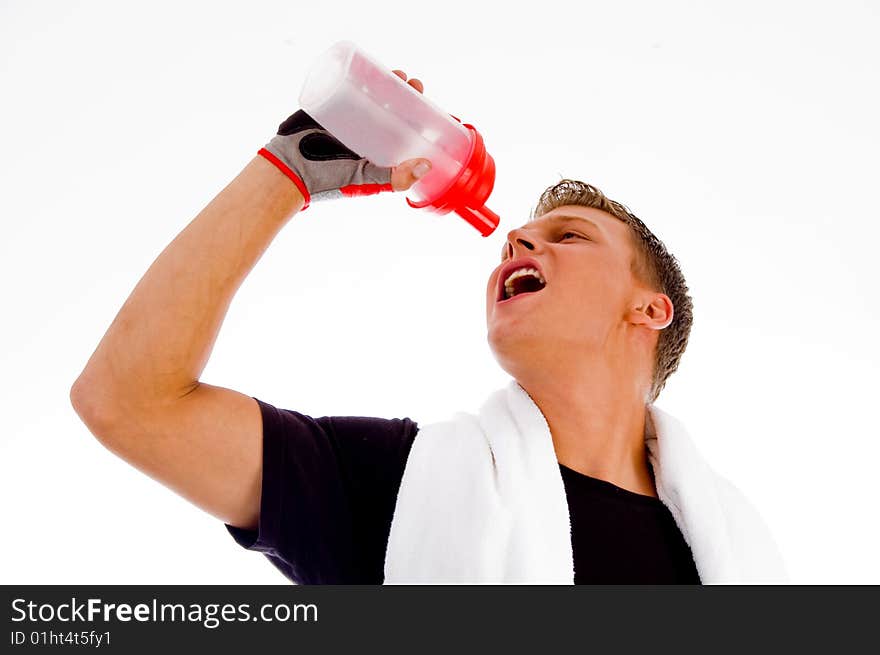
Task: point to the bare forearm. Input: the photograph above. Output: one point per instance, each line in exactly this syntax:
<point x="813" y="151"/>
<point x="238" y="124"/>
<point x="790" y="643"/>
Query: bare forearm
<point x="159" y="343"/>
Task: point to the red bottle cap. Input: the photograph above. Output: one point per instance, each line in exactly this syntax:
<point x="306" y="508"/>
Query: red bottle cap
<point x="467" y="193"/>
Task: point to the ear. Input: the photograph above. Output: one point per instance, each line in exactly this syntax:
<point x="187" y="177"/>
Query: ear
<point x="654" y="311"/>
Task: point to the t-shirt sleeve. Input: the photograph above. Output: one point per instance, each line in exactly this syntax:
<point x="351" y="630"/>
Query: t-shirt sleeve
<point x="329" y="490"/>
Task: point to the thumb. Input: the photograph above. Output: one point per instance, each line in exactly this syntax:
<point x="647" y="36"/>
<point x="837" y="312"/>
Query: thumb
<point x="408" y="173"/>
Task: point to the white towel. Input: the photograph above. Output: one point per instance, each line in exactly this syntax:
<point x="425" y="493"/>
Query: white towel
<point x="482" y="502"/>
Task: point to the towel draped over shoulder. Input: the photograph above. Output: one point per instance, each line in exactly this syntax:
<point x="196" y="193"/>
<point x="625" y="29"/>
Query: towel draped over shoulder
<point x="482" y="501"/>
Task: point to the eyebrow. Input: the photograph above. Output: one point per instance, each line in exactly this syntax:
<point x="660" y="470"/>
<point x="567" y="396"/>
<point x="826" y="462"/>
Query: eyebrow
<point x="556" y="219"/>
<point x="565" y="218"/>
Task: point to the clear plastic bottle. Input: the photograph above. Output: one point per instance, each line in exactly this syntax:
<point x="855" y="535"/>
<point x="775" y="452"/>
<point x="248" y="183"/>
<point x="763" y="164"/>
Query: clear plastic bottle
<point x="381" y="117"/>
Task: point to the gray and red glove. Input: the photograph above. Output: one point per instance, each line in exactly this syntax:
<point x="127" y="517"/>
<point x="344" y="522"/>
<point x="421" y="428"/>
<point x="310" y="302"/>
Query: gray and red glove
<point x="321" y="166"/>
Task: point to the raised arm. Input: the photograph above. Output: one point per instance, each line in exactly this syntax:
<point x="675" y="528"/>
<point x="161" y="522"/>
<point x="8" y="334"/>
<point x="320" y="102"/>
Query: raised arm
<point x="140" y="393"/>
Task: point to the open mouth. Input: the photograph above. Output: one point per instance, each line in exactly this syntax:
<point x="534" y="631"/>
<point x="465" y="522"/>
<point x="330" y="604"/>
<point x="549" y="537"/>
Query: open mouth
<point x="520" y="280"/>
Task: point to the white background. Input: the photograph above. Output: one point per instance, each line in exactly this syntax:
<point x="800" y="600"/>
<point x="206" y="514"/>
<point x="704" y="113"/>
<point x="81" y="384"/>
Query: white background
<point x="744" y="134"/>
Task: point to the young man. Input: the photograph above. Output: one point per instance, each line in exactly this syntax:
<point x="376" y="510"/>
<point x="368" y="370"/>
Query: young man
<point x="567" y="476"/>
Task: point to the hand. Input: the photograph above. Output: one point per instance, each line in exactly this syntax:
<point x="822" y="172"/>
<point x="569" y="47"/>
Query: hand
<point x="322" y="167"/>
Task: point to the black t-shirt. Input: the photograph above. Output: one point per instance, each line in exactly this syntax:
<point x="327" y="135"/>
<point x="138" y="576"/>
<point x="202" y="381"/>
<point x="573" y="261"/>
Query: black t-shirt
<point x="330" y="487"/>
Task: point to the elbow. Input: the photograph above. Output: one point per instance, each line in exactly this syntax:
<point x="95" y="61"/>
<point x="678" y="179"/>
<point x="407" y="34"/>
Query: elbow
<point x="93" y="405"/>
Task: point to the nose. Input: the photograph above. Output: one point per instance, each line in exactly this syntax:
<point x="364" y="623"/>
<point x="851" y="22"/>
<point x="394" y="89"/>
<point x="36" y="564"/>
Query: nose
<point x="517" y="239"/>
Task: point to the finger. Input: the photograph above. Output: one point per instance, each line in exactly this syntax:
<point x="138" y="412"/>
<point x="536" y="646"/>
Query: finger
<point x="408" y="173"/>
<point x="417" y="85"/>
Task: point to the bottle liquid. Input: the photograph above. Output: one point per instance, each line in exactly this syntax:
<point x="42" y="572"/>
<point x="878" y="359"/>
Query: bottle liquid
<point x="382" y="118"/>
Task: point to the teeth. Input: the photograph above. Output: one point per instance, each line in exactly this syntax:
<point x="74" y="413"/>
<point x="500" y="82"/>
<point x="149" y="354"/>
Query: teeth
<point x="525" y="271"/>
<point x="520" y="272"/>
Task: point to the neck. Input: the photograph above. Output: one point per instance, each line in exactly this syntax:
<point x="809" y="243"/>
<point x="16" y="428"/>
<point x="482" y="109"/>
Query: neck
<point x="597" y="421"/>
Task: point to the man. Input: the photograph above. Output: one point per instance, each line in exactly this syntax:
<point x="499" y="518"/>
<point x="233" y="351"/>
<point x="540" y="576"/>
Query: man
<point x="586" y="311"/>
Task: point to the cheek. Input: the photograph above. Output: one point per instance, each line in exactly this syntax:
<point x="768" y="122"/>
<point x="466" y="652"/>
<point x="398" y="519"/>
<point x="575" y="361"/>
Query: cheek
<point x="592" y="297"/>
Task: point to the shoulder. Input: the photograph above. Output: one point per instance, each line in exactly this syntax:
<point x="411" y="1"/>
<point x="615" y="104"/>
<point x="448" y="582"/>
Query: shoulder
<point x="374" y="430"/>
<point x="363" y="452"/>
<point x="750" y="538"/>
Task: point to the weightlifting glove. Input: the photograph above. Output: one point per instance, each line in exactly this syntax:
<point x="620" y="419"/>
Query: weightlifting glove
<point x="318" y="163"/>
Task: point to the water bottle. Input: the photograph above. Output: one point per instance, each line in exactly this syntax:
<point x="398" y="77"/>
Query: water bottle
<point x="379" y="116"/>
